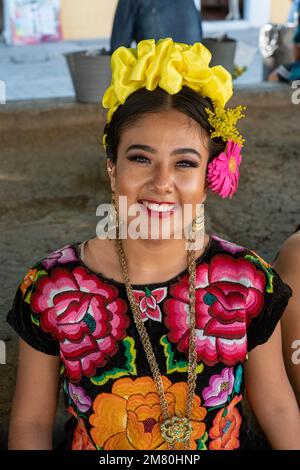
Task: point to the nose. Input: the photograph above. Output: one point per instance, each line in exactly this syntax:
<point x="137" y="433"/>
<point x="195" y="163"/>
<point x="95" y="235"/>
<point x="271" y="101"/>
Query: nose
<point x="162" y="179"/>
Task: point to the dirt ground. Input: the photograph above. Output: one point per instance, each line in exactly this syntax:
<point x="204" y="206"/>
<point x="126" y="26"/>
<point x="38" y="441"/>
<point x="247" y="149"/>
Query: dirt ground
<point x="53" y="178"/>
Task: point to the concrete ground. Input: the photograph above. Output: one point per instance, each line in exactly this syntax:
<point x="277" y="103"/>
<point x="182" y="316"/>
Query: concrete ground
<point x="53" y="178"/>
<point x="40" y="71"/>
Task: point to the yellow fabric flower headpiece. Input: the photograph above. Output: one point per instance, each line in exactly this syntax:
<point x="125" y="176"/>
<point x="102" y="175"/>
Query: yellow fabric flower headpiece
<point x="169" y="65"/>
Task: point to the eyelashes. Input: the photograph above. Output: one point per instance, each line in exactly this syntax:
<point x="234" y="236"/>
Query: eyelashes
<point x="188" y="164"/>
<point x="181" y="163"/>
<point x="139" y="159"/>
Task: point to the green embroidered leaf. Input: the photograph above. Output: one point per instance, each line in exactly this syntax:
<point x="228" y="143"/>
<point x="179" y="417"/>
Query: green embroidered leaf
<point x="216" y="407"/>
<point x="35" y="320"/>
<point x="62" y="369"/>
<point x="171" y="363"/>
<point x="266" y="268"/>
<point x="225" y="412"/>
<point x="116" y="373"/>
<point x="201" y="442"/>
<point x="148" y="292"/>
<point x="39" y="274"/>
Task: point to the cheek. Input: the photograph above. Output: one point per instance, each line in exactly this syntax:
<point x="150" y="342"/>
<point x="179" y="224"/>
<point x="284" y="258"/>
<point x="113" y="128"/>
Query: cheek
<point x="193" y="183"/>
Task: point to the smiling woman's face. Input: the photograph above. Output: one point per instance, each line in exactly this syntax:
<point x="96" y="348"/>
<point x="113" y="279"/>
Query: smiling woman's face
<point x="162" y="158"/>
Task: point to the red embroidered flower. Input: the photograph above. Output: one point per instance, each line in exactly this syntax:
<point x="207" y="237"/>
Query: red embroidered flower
<point x="229" y="292"/>
<point x="148" y="302"/>
<point x="84" y="314"/>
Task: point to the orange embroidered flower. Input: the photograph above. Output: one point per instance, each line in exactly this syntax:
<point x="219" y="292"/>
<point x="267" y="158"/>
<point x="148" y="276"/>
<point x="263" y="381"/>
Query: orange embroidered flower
<point x="129" y="418"/>
<point x="81" y="439"/>
<point x="28" y="280"/>
<point x="226" y="426"/>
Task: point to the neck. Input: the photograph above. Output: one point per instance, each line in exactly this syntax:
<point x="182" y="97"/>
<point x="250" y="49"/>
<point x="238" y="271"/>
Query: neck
<point x="148" y="256"/>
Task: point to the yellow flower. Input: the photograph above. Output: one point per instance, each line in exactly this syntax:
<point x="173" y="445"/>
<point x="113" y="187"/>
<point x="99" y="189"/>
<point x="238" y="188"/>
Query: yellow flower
<point x="170" y="66"/>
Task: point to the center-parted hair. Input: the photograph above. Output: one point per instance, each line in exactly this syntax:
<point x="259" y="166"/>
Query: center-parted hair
<point x="143" y="102"/>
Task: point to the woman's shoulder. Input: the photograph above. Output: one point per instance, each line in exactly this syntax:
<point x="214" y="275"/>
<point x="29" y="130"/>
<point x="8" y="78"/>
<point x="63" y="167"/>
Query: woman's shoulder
<point x="238" y="263"/>
<point x="237" y="250"/>
<point x="58" y="257"/>
<point x="61" y="256"/>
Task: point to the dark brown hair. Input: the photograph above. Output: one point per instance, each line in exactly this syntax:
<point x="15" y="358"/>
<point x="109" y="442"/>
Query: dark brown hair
<point x="142" y="102"/>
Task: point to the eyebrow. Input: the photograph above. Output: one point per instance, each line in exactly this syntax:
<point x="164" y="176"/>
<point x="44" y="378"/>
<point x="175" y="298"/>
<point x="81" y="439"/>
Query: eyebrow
<point x="149" y="149"/>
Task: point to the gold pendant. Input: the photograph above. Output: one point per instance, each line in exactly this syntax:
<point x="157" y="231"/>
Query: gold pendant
<point x="176" y="429"/>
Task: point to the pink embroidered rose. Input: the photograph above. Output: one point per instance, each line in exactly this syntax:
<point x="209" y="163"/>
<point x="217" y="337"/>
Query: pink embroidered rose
<point x="84" y="314"/>
<point x="229" y="292"/>
<point x="148" y="302"/>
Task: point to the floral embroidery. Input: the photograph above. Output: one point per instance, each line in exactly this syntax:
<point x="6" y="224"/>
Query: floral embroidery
<point x="220" y="388"/>
<point x="81" y="400"/>
<point x="148" y="302"/>
<point x="226" y="426"/>
<point x="28" y="280"/>
<point x="226" y="301"/>
<point x="62" y="256"/>
<point x="171" y="364"/>
<point x="84" y="314"/>
<point x="116" y="373"/>
<point x="238" y="379"/>
<point x="258" y="261"/>
<point x="129" y="417"/>
<point x="201" y="442"/>
<point x="104" y="376"/>
<point x="228" y="246"/>
<point x="81" y="439"/>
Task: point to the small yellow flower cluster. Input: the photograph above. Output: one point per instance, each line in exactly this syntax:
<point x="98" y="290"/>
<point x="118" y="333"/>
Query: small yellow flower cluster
<point x="224" y="122"/>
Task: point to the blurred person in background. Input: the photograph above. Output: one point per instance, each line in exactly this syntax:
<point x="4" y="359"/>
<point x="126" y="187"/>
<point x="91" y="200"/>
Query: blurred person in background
<point x="287" y="264"/>
<point x="293" y="10"/>
<point x="291" y="71"/>
<point x="136" y="20"/>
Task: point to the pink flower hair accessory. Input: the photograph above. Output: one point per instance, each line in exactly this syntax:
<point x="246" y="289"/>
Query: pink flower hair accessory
<point x="223" y="172"/>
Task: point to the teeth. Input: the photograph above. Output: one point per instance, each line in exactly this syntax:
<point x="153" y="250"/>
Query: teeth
<point x="159" y="207"/>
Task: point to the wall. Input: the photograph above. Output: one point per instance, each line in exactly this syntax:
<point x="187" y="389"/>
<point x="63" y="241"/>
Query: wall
<point x="280" y="10"/>
<point x="87" y="19"/>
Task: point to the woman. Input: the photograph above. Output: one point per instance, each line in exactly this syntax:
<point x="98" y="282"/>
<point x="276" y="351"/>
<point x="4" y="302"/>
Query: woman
<point x="142" y="19"/>
<point x="291" y="71"/>
<point x="151" y="333"/>
<point x="287" y="265"/>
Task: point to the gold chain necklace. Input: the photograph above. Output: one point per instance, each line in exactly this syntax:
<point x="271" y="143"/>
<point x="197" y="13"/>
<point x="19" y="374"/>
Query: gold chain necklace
<point x="176" y="428"/>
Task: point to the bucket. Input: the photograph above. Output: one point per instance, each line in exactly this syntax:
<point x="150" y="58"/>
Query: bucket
<point x="91" y="74"/>
<point x="223" y="51"/>
<point x="276" y="46"/>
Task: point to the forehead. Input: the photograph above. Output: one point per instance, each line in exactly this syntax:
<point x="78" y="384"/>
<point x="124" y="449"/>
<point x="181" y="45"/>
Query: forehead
<point x="164" y="128"/>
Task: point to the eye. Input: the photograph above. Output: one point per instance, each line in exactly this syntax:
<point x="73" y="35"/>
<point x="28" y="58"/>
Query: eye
<point x="139" y="159"/>
<point x="187" y="164"/>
